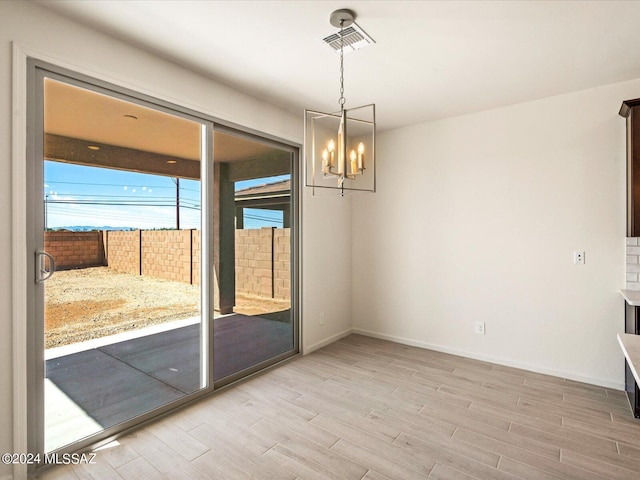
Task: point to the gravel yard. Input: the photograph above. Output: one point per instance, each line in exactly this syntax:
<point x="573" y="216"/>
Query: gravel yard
<point x="95" y="302"/>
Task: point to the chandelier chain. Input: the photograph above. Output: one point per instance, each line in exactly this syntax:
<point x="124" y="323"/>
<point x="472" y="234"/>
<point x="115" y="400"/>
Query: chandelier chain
<point x="341" y="100"/>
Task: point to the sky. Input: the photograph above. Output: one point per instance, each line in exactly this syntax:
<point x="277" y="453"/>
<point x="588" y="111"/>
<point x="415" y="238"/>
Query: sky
<point x="77" y="195"/>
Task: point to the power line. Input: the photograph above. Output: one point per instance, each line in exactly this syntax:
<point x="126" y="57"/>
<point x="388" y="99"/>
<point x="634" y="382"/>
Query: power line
<point x="264" y="219"/>
<point x="118" y="204"/>
<point x="61" y="194"/>
<point x="118" y="185"/>
<point x="110" y="200"/>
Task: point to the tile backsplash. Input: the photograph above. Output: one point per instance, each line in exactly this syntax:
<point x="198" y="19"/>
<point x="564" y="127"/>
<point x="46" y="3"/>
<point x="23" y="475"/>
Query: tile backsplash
<point x="633" y="263"/>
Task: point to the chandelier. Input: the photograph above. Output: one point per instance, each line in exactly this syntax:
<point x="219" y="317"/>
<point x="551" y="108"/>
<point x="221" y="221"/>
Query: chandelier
<point x="340" y="146"/>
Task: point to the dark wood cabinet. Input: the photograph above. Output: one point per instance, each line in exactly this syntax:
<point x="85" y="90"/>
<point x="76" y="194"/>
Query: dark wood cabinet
<point x="630" y="110"/>
<point x="632" y="325"/>
<point x="631" y="319"/>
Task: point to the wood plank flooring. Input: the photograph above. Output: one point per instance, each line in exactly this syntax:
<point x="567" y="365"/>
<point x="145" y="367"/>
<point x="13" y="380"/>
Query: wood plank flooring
<point x="363" y="408"/>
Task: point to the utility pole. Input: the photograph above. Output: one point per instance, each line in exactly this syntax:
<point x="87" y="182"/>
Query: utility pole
<point x="177" y="203"/>
<point x="177" y="182"/>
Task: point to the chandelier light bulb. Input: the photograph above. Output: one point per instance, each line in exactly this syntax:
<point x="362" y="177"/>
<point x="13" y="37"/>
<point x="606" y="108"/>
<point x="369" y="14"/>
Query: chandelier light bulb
<point x="354" y="164"/>
<point x="361" y="156"/>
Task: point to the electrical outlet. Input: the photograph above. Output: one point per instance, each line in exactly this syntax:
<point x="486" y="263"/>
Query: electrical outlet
<point x="479" y="328"/>
<point x="578" y="257"/>
<point x="322" y="318"/>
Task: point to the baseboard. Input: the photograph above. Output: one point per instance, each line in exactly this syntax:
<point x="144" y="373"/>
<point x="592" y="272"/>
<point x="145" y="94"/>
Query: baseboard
<point x="327" y="341"/>
<point x="487" y="358"/>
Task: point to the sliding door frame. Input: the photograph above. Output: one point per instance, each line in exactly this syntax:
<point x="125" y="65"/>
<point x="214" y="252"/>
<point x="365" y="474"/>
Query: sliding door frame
<point x="29" y="70"/>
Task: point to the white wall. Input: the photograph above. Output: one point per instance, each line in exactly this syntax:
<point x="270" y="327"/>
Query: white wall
<point x="327" y="269"/>
<point x="476" y="219"/>
<point x="76" y="45"/>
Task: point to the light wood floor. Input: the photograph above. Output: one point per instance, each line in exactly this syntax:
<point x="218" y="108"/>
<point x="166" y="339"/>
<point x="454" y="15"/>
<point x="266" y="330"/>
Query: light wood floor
<point x="363" y="408"/>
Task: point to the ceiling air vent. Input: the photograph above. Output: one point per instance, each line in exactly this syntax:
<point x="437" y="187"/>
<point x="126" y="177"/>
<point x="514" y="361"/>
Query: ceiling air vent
<point x="354" y="39"/>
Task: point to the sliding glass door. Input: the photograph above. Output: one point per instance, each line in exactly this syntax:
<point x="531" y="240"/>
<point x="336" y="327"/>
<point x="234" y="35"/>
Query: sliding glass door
<point x="164" y="252"/>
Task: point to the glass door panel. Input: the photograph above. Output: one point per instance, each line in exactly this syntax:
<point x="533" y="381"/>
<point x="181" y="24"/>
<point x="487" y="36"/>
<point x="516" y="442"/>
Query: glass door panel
<point x="254" y="322"/>
<point x="123" y="320"/>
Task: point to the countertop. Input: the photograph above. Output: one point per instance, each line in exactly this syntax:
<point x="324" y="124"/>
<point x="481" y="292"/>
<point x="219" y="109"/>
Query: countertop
<point x="631" y="296"/>
<point x="630" y="345"/>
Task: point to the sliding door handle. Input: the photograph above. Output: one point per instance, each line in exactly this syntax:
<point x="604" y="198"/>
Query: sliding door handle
<point x="42" y="274"/>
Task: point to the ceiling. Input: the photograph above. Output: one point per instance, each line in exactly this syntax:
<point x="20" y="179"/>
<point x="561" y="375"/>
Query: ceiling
<point x="79" y="123"/>
<point x="83" y="114"/>
<point x="431" y="60"/>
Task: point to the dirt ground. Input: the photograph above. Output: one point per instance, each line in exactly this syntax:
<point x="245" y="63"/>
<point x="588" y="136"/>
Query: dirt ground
<point x="95" y="302"/>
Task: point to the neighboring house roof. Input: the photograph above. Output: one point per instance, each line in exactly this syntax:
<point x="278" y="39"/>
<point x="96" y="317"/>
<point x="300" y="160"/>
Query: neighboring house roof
<point x="275" y="189"/>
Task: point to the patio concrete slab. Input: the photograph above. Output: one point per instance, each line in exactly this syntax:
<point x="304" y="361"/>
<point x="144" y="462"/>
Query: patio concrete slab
<point x="108" y="390"/>
<point x="116" y="382"/>
<point x="172" y="357"/>
<point x="241" y="341"/>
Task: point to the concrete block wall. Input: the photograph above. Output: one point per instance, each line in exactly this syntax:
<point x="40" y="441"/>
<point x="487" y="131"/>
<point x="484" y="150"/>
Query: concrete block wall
<point x="253" y="261"/>
<point x="263" y="265"/>
<point x="75" y="249"/>
<point x="123" y="250"/>
<point x="282" y="263"/>
<point x="195" y="257"/>
<point x="263" y="256"/>
<point x="167" y="254"/>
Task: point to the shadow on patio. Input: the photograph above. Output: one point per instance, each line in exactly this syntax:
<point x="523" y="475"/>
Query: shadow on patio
<point x="102" y="386"/>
